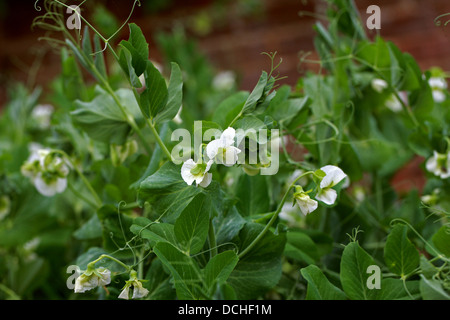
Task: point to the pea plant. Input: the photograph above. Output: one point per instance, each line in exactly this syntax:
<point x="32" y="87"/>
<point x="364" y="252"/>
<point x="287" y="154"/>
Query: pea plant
<point x="135" y="180"/>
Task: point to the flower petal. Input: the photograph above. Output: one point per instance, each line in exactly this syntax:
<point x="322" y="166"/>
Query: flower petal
<point x="431" y="165"/>
<point x="333" y="175"/>
<point x="124" y="293"/>
<point x="206" y="180"/>
<point x="212" y="148"/>
<point x="138" y="290"/>
<point x="327" y="196"/>
<point x="231" y="156"/>
<point x="186" y="174"/>
<point x="227" y="137"/>
<point x="48" y="190"/>
<point x="306" y="204"/>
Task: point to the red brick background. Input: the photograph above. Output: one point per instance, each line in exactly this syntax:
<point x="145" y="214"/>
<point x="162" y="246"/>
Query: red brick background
<point x="237" y="41"/>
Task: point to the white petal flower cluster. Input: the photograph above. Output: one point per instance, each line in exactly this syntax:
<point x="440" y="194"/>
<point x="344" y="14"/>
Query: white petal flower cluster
<point x="92" y="279"/>
<point x="438" y="87"/>
<point x="138" y="290"/>
<point x="379" y="85"/>
<point x="220" y="151"/>
<point x="305" y="203"/>
<point x="331" y="176"/>
<point x="224" y="80"/>
<point x="198" y="172"/>
<point x="439" y="164"/>
<point x="392" y="102"/>
<point x="41" y="115"/>
<point x="47" y="172"/>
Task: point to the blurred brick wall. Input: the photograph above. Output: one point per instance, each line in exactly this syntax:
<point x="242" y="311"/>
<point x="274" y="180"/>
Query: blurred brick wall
<point x="238" y="43"/>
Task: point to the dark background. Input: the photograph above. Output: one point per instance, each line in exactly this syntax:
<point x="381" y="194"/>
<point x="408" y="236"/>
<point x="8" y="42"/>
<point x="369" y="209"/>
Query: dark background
<point x="232" y="34"/>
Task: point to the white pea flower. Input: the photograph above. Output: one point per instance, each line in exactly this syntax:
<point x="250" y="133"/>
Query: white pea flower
<point x="333" y="175"/>
<point x="49" y="185"/>
<point x="379" y="85"/>
<point x="222" y="150"/>
<point x="439" y="165"/>
<point x="431" y="199"/>
<point x="34" y="163"/>
<point x="438" y="86"/>
<point x="92" y="279"/>
<point x="47" y="172"/>
<point x="304" y="201"/>
<point x="198" y="172"/>
<point x="138" y="290"/>
<point x="437" y="83"/>
<point x="393" y="103"/>
<point x="224" y="80"/>
<point x="42" y="115"/>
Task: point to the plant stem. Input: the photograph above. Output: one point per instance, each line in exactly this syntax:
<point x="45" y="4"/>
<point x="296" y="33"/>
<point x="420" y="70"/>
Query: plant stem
<point x="98" y="201"/>
<point x="129" y="119"/>
<point x="103" y="256"/>
<point x="212" y="239"/>
<point x="274" y="217"/>
<point x="159" y="140"/>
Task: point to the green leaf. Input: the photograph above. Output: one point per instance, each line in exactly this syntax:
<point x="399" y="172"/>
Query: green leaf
<point x="204" y="126"/>
<point x="354" y="264"/>
<point x="400" y="255"/>
<point x="256" y="94"/>
<point x="301" y="247"/>
<point x="154" y="232"/>
<point x="79" y="55"/>
<point x="102" y="119"/>
<point x="260" y="269"/>
<point x="252" y="194"/>
<point x="92" y="229"/>
<point x="99" y="59"/>
<point x="155" y="96"/>
<point x="159" y="285"/>
<point x="137" y="47"/>
<point x="86" y="45"/>
<point x="137" y="39"/>
<point x="229" y="108"/>
<point x="219" y="269"/>
<point x="319" y="288"/>
<point x="185" y="272"/>
<point x="167" y="192"/>
<point x="285" y="111"/>
<point x="175" y="96"/>
<point x="227" y="225"/>
<point x="126" y="61"/>
<point x="248" y="127"/>
<point x="441" y="239"/>
<point x="394" y="289"/>
<point x="191" y="227"/>
<point x="72" y="82"/>
<point x="431" y="289"/>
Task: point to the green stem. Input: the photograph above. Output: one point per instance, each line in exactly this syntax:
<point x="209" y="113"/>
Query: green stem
<point x="159" y="140"/>
<point x="235" y="119"/>
<point x="103" y="256"/>
<point x="212" y="239"/>
<point x="274" y="216"/>
<point x="98" y="201"/>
